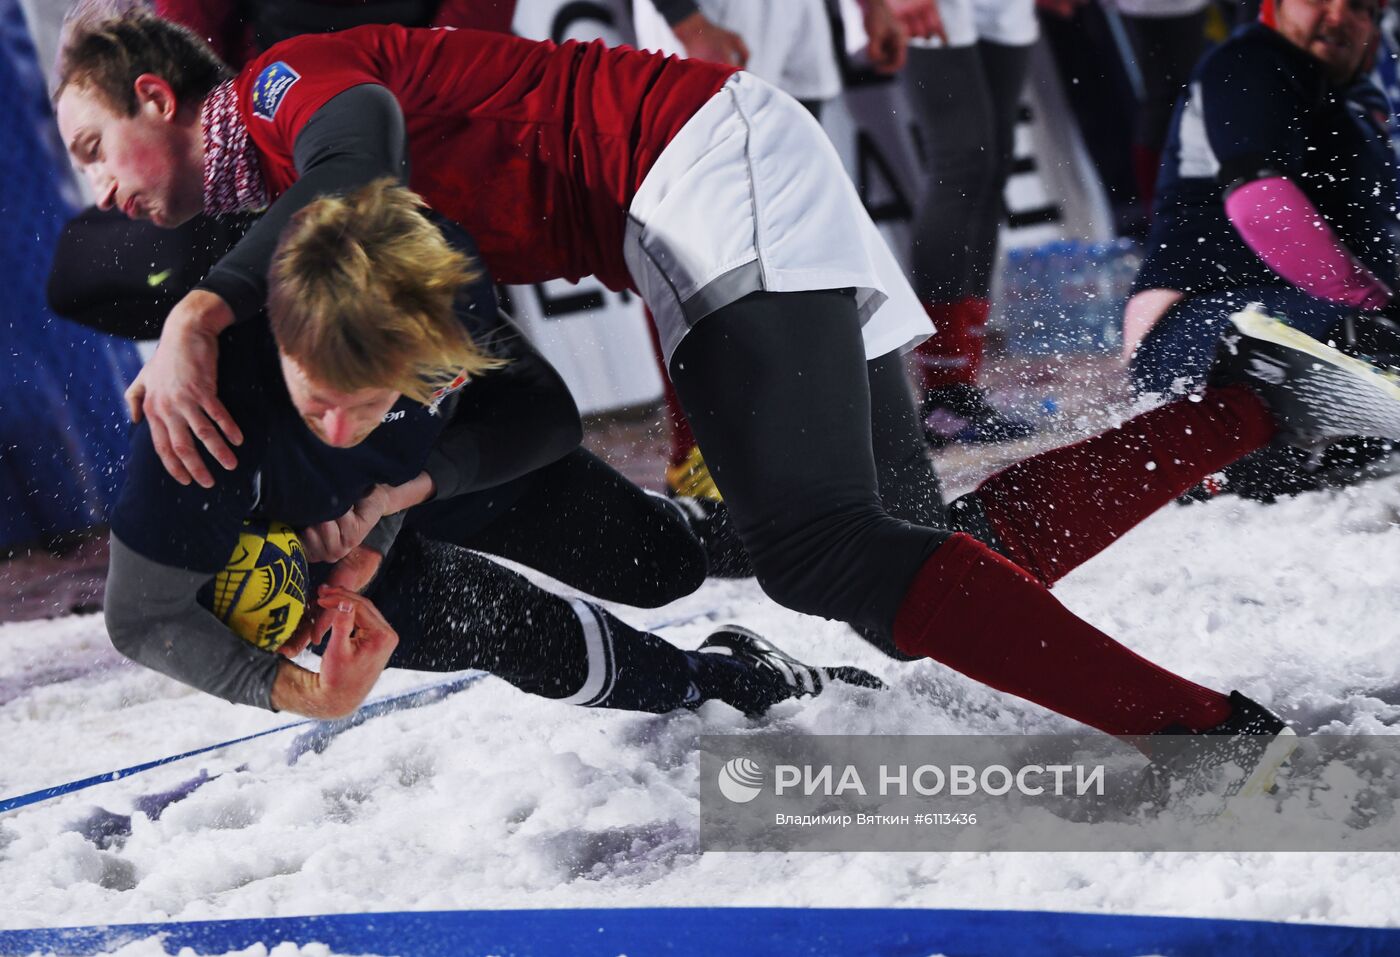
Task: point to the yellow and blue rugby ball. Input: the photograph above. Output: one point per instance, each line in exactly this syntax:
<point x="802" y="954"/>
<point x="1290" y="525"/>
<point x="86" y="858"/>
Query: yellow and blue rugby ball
<point x="261" y="593"/>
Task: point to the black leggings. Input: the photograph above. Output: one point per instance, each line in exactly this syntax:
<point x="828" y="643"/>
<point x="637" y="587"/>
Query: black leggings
<point x="967" y="99"/>
<point x="777" y="390"/>
<point x="909" y="487"/>
<point x="581" y="523"/>
<point x="585" y="525"/>
<point x="1167" y="49"/>
<point x="456" y="610"/>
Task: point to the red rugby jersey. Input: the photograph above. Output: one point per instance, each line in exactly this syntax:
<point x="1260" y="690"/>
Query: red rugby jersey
<point x="535" y="148"/>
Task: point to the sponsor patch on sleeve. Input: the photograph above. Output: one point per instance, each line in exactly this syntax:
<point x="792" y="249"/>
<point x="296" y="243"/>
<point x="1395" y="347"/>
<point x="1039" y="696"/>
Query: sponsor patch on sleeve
<point x="456" y="385"/>
<point x="270" y="87"/>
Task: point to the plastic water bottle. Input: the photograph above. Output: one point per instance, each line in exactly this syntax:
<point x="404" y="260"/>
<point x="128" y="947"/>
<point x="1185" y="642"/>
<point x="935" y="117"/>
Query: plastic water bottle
<point x="1123" y="270"/>
<point x="1013" y="312"/>
<point x="1037" y="298"/>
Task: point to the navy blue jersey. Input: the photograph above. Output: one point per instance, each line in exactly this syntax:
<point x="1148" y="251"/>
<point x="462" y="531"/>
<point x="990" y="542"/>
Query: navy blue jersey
<point x="502" y="425"/>
<point x="1258" y="106"/>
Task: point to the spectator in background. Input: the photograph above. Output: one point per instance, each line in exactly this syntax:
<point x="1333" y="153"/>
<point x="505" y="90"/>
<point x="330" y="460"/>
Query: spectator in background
<point x="1168" y="37"/>
<point x="1278" y="186"/>
<point x="1089" y="57"/>
<point x="789" y="43"/>
<point x="965" y="78"/>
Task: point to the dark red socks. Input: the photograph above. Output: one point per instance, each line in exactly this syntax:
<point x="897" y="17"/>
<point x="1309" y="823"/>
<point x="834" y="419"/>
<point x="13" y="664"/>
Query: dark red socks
<point x="1055" y="511"/>
<point x="954" y="355"/>
<point x="974" y="611"/>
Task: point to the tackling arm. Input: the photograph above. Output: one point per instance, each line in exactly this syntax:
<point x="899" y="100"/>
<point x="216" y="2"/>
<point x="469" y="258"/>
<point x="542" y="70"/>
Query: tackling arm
<point x="355" y="138"/>
<point x="505" y="424"/>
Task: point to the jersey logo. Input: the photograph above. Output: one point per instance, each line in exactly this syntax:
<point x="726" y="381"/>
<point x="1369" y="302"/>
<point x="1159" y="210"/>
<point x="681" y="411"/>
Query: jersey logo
<point x="271" y="87"/>
<point x="435" y="402"/>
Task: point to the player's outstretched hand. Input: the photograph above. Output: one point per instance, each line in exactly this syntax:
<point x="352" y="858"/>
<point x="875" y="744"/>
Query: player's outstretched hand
<point x="360" y="646"/>
<point x="889" y="43"/>
<point x="354" y="572"/>
<point x="920" y="18"/>
<point x="704" y="39"/>
<point x="177" y="391"/>
<point x="331" y="541"/>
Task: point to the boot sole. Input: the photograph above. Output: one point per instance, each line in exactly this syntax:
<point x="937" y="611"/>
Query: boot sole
<point x="1372" y="390"/>
<point x="1261" y="781"/>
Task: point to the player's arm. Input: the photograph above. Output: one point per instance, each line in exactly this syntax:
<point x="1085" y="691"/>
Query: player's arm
<point x="1282" y="226"/>
<point x="888" y="45"/>
<point x="355" y="138"/>
<point x="352" y="139"/>
<point x="167" y="542"/>
<point x="169" y="539"/>
<point x="122" y="277"/>
<point x="155" y="619"/>
<point x="1253" y="110"/>
<point x="507" y="423"/>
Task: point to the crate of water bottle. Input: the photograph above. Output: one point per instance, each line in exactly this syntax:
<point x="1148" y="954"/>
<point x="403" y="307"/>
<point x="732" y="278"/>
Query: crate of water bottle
<point x="1066" y="296"/>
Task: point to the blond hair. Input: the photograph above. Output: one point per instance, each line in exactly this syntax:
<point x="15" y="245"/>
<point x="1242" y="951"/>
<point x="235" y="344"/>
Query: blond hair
<point x="106" y="53"/>
<point x="362" y="291"/>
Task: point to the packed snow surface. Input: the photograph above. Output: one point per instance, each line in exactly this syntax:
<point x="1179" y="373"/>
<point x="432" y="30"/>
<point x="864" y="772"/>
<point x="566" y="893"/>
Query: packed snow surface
<point x="494" y="799"/>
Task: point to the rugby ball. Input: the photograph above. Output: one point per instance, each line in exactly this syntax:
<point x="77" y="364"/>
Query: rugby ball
<point x="261" y="592"/>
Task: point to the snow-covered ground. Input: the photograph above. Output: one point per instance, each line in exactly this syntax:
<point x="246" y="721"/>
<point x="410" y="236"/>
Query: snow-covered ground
<point x="493" y="799"/>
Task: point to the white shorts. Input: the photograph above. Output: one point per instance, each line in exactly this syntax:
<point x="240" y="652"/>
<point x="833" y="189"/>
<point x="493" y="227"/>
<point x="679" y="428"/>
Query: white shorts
<point x="789" y="41"/>
<point x="1008" y="22"/>
<point x="752" y="196"/>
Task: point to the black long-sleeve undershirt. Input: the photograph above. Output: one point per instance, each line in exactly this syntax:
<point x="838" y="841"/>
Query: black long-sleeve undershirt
<point x="357" y="137"/>
<point x="122" y="276"/>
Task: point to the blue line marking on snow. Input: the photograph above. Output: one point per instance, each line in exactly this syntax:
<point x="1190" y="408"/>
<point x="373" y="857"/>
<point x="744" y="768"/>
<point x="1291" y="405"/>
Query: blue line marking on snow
<point x="322" y="733"/>
<point x="734" y="932"/>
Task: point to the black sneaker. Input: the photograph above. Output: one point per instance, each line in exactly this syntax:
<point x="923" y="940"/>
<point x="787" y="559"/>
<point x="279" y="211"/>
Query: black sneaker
<point x="1369" y="336"/>
<point x="774" y="675"/>
<point x="961" y="414"/>
<point x="1317" y="393"/>
<point x="1237" y="758"/>
<point x="1280" y="471"/>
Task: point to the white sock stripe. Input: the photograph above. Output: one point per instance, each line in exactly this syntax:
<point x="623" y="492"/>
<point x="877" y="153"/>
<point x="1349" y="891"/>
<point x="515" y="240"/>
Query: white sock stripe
<point x="609" y="656"/>
<point x="787" y="671"/>
<point x="598" y="656"/>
